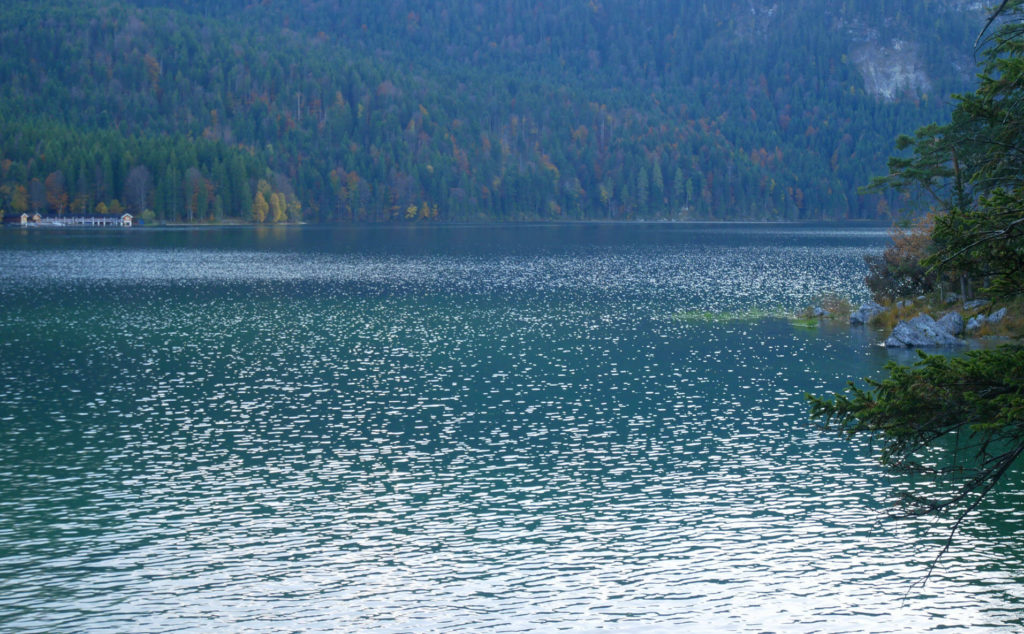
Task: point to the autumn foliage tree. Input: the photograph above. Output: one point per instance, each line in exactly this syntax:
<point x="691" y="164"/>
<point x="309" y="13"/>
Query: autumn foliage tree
<point x="900" y="271"/>
<point x="277" y="208"/>
<point x="260" y="208"/>
<point x="56" y="192"/>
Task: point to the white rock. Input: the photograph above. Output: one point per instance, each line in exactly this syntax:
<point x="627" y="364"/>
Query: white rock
<point x="952" y="322"/>
<point x="920" y="332"/>
<point x="865" y="313"/>
<point x="976" y="322"/>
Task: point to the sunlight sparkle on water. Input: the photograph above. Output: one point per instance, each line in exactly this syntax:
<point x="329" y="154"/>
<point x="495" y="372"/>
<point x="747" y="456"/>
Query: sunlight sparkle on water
<point x="439" y="438"/>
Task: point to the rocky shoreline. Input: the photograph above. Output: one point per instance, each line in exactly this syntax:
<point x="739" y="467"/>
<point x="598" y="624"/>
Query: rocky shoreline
<point x="924" y="331"/>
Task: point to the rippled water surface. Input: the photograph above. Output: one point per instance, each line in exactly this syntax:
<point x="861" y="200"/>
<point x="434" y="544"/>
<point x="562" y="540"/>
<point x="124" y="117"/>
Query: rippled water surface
<point x="454" y="429"/>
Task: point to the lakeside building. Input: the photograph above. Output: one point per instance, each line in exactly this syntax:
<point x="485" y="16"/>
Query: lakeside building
<point x="22" y="219"/>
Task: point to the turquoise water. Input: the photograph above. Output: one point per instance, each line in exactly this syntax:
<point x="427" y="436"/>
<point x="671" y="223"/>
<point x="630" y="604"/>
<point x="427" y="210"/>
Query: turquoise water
<point x="454" y="429"/>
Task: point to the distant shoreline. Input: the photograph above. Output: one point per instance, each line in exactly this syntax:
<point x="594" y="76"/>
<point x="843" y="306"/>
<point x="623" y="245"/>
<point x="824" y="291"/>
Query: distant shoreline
<point x="467" y="223"/>
<point x="862" y="222"/>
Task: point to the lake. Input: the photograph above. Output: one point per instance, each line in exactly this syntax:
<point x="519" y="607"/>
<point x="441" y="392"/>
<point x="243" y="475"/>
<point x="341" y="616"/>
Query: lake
<point x="476" y="428"/>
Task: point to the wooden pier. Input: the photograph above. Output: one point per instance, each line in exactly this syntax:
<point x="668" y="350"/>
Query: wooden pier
<point x="26" y="220"/>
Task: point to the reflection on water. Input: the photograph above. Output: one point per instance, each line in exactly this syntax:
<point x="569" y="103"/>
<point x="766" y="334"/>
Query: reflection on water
<point x="451" y="429"/>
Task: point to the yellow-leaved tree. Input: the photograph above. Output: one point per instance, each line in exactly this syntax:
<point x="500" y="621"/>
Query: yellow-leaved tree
<point x="260" y="208"/>
<point x="277" y="208"/>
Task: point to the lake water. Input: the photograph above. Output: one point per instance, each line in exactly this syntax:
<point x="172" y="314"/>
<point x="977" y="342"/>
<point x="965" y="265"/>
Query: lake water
<point x="526" y="428"/>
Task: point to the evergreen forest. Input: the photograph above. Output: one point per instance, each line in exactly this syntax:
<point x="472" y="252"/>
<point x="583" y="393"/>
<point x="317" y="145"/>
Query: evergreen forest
<point x="409" y="110"/>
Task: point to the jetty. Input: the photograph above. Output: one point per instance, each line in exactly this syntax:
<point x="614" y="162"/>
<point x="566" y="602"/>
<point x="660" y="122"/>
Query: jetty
<point x="27" y="220"/>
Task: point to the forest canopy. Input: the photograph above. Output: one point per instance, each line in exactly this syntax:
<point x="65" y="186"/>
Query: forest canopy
<point x="463" y="110"/>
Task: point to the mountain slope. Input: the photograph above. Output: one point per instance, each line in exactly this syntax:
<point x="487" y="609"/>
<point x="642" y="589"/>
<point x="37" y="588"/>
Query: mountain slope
<point x="404" y="109"/>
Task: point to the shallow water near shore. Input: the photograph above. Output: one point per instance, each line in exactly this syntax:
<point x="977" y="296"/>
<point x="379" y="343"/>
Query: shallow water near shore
<point x="500" y="428"/>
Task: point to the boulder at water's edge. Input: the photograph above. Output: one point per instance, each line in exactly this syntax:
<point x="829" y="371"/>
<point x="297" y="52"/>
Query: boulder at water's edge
<point x="952" y="322"/>
<point x="864" y="314"/>
<point x="978" y="321"/>
<point x="921" y="332"/>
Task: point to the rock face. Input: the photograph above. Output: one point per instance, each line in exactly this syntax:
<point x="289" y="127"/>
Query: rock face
<point x="864" y="314"/>
<point x="820" y="313"/>
<point x="891" y="71"/>
<point x="975" y="303"/>
<point x="921" y="332"/>
<point x="924" y="332"/>
<point x="978" y="321"/>
<point x="952" y="322"/>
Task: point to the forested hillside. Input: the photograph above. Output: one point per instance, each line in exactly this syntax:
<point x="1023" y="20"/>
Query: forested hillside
<point x="464" y="110"/>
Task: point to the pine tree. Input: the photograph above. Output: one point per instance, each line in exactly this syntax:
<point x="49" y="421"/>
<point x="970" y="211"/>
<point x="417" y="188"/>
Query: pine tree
<point x="642" y="190"/>
<point x="678" y="190"/>
<point x="657" y="186"/>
